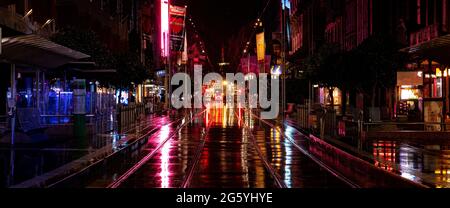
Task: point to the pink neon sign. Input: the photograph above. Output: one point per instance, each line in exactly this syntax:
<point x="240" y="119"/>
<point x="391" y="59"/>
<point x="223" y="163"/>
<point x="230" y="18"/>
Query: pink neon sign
<point x="165" y="28"/>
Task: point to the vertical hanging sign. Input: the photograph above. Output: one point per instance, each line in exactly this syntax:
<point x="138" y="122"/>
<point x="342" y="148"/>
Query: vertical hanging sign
<point x="184" y="55"/>
<point x="260" y="46"/>
<point x="164" y="28"/>
<point x="261" y="51"/>
<point x="177" y="22"/>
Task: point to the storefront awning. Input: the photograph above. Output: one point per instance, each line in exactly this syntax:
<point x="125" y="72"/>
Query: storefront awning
<point x="436" y="50"/>
<point x="36" y="51"/>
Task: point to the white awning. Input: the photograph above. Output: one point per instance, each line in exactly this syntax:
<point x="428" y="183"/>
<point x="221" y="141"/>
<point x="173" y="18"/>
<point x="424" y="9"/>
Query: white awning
<point x="36" y="51"/>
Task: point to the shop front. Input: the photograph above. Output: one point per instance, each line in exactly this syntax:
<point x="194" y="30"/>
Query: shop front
<point x="435" y="96"/>
<point x="409" y="96"/>
<point x="330" y="98"/>
<point x="422" y="95"/>
<point x="431" y="61"/>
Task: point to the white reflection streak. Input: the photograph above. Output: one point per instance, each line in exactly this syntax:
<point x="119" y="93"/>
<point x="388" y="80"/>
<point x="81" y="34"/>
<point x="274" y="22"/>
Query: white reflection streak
<point x="408" y="176"/>
<point x="244" y="160"/>
<point x="288" y="164"/>
<point x="164" y="174"/>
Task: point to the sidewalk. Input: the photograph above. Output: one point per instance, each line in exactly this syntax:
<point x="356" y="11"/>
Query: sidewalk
<point x="36" y="166"/>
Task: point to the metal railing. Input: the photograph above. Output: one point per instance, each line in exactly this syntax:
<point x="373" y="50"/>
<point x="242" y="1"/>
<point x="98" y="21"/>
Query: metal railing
<point x="54" y="120"/>
<point x="4" y="121"/>
<point x="129" y="115"/>
<point x="320" y="121"/>
<point x="325" y="123"/>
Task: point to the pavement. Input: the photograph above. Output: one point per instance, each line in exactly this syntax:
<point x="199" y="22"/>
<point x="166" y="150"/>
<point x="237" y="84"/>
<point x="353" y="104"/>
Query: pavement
<point x="41" y="164"/>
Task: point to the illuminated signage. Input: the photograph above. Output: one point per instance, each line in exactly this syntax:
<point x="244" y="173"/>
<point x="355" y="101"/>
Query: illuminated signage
<point x="184" y="55"/>
<point x="177" y="19"/>
<point x="440" y="73"/>
<point x="408" y="93"/>
<point x="261" y="47"/>
<point x="165" y="28"/>
<point x="161" y="73"/>
<point x="286" y="4"/>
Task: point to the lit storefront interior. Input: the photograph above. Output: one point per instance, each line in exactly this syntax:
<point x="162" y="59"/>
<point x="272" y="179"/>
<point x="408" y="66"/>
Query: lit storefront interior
<point x="332" y="100"/>
<point x="409" y="96"/>
<point x="432" y="60"/>
<point x="421" y="94"/>
<point x="435" y="95"/>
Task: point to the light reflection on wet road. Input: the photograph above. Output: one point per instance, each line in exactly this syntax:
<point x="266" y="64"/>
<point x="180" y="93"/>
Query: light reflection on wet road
<point x="424" y="163"/>
<point x="228" y="158"/>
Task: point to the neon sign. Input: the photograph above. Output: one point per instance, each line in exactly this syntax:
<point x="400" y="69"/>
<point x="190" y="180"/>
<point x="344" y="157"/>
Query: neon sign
<point x="165" y="28"/>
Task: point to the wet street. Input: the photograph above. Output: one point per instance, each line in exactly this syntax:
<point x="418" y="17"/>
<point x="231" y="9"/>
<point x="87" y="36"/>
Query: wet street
<point x="427" y="163"/>
<point x="220" y="148"/>
<point x="217" y="148"/>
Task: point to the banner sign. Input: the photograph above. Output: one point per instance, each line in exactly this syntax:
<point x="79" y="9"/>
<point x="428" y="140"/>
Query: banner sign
<point x="260" y="46"/>
<point x="184" y="55"/>
<point x="177" y="23"/>
<point x="251" y="64"/>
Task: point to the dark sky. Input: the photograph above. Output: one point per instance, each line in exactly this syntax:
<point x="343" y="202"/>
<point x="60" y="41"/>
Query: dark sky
<point x="218" y="21"/>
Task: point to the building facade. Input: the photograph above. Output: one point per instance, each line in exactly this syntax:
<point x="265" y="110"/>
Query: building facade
<point x="348" y="23"/>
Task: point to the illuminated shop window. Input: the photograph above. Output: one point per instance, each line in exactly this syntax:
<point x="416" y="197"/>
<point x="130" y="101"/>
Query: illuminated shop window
<point x="409" y="93"/>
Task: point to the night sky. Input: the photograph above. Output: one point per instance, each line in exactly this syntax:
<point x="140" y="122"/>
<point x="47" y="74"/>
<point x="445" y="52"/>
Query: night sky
<point x="219" y="22"/>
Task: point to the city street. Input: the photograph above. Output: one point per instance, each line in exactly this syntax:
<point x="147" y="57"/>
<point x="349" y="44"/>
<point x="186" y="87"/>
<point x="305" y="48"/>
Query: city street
<point x="224" y="94"/>
<point x="218" y="148"/>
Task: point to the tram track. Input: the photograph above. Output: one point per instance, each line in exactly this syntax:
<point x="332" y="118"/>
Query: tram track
<point x="268" y="166"/>
<point x="306" y="153"/>
<point x="99" y="162"/>
<point x="194" y="163"/>
<point x="117" y="183"/>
